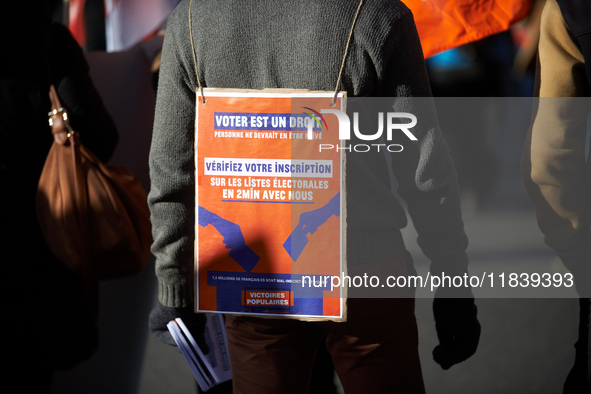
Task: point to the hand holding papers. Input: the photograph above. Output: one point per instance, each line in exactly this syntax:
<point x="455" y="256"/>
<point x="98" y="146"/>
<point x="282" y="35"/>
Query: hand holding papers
<point x="209" y="369"/>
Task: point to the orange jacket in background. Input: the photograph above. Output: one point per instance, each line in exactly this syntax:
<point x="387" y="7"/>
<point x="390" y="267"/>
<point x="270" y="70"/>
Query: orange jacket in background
<point x="445" y="24"/>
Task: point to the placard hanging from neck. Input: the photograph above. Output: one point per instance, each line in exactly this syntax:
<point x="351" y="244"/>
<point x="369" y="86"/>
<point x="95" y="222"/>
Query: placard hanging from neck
<point x="269" y="201"/>
<point x="270" y="217"/>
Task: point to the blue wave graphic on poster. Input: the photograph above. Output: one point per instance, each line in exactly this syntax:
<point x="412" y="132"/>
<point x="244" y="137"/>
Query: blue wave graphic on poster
<point x="308" y="224"/>
<point x="233" y="238"/>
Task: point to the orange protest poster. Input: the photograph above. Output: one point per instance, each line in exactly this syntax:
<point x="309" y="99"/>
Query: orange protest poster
<point x="269" y="204"/>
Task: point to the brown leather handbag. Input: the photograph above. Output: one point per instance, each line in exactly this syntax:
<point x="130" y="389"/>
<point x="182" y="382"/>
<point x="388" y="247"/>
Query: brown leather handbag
<point x="94" y="216"/>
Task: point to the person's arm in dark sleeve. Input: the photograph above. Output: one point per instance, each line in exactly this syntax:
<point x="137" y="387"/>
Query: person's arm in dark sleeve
<point x="427" y="182"/>
<point x="70" y="75"/>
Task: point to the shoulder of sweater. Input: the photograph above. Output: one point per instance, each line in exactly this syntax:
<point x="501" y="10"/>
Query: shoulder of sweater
<point x="387" y="10"/>
<point x="383" y="22"/>
<point x="393" y="10"/>
<point x="178" y="16"/>
<point x="379" y="21"/>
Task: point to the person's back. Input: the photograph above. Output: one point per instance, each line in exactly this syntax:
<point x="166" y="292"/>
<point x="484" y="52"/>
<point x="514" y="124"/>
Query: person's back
<point x="296" y="44"/>
<point x="301" y="45"/>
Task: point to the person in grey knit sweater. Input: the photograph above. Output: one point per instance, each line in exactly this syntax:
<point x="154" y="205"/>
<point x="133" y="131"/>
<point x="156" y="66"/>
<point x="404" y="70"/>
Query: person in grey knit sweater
<point x="300" y="44"/>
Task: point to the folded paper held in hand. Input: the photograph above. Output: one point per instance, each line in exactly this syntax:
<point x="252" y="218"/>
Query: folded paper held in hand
<point x="208" y="369"/>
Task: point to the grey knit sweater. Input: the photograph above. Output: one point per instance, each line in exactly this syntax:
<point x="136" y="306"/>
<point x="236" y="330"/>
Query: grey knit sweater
<point x="300" y="44"/>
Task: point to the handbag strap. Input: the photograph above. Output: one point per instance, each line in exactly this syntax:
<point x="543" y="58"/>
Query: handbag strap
<point x="58" y="118"/>
<point x="62" y="134"/>
<point x="336" y="89"/>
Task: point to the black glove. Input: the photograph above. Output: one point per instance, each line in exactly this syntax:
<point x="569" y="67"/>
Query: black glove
<point x="457" y="328"/>
<point x="161" y="315"/>
<point x="578" y="261"/>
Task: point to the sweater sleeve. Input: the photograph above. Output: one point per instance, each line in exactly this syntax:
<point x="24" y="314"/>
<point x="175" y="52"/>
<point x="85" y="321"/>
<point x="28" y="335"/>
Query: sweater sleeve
<point x="172" y="169"/>
<point x="425" y="173"/>
<point x="557" y="175"/>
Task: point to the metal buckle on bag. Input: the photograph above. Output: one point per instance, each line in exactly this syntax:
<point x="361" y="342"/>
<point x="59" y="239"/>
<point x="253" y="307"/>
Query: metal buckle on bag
<point x="64" y="117"/>
<point x="51" y="114"/>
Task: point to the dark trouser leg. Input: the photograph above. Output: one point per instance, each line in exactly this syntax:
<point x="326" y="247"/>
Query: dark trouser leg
<point x="578" y="379"/>
<point x="376" y="350"/>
